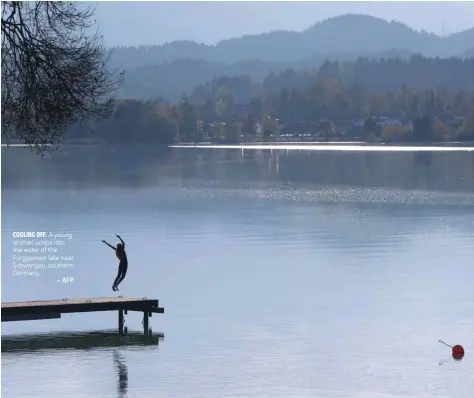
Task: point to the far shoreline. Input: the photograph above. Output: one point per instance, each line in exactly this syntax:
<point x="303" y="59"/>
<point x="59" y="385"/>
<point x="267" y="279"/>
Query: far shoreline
<point x="327" y="143"/>
<point x="262" y="144"/>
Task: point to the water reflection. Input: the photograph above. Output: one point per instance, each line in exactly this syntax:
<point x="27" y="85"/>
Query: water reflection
<point x="138" y="166"/>
<point x="122" y="373"/>
<point x="76" y="340"/>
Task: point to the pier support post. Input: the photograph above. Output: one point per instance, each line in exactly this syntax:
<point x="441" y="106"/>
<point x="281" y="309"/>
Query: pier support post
<point x="145" y="322"/>
<point x="120" y="321"/>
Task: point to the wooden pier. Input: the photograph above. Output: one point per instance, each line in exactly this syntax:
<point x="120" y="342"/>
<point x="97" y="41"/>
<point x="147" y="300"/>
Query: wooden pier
<point x="53" y="309"/>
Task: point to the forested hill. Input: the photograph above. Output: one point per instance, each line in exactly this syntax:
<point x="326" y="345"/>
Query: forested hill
<point x="360" y="34"/>
<point x="192" y="77"/>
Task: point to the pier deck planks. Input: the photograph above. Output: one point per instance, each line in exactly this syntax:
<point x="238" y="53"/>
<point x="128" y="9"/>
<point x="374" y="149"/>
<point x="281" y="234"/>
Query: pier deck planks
<point x="50" y="309"/>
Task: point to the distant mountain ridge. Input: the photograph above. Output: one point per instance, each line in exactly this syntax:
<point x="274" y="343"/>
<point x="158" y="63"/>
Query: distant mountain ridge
<point x="348" y="33"/>
<point x="169" y="70"/>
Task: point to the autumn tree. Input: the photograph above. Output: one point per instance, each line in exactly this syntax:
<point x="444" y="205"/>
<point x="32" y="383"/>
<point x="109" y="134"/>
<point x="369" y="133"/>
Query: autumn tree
<point x="53" y="73"/>
<point x="441" y="132"/>
<point x="466" y="131"/>
<point x="131" y="121"/>
<point x="395" y="133"/>
<point x="378" y="104"/>
<point x="224" y="100"/>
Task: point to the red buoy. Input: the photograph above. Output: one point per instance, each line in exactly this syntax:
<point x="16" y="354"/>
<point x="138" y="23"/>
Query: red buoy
<point x="458" y="352"/>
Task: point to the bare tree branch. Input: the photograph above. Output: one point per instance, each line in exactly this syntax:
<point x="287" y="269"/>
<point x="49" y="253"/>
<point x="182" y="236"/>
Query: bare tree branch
<point x="54" y="73"/>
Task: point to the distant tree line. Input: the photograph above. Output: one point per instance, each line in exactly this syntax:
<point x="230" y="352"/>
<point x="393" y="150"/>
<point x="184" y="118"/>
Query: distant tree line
<point x="381" y="75"/>
<point x="376" y="72"/>
<point x="434" y="96"/>
<point x="132" y="120"/>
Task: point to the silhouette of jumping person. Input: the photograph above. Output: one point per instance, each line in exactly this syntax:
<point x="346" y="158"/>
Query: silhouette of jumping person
<point x="123" y="264"/>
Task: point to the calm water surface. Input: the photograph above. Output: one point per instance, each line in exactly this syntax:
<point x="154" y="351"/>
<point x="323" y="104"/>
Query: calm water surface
<point x="282" y="273"/>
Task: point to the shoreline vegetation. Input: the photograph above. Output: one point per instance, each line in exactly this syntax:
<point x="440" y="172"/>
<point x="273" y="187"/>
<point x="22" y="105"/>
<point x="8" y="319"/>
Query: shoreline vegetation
<point x="363" y="101"/>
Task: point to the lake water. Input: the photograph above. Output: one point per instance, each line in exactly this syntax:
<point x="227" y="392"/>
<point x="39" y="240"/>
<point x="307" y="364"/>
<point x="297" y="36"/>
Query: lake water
<point x="283" y="273"/>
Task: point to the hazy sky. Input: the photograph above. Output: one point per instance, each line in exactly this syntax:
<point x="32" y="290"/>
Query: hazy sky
<point x="134" y="22"/>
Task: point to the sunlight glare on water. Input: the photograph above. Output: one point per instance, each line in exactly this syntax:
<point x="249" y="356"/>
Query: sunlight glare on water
<point x="320" y="146"/>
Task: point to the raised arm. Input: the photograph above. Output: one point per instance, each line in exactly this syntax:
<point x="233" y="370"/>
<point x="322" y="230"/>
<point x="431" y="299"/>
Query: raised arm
<point x="114" y="248"/>
<point x="121" y="240"/>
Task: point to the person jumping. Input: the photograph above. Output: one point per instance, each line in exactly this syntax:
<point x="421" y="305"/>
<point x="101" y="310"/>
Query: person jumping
<point x="123" y="262"/>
